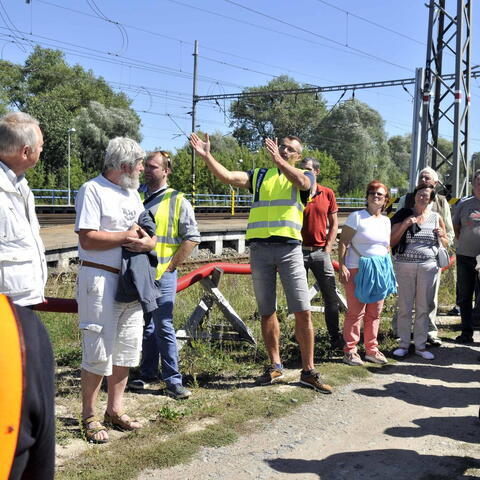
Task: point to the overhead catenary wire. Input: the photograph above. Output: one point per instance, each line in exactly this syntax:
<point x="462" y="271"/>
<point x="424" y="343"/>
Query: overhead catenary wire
<point x="324" y="37"/>
<point x="118" y="59"/>
<point x="342" y="49"/>
<point x="94" y="7"/>
<point x="206" y="47"/>
<point x="10" y="26"/>
<point x="371" y="22"/>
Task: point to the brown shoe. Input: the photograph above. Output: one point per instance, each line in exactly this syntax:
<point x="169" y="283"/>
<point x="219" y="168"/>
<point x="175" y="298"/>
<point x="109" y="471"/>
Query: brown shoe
<point x="122" y="422"/>
<point x="91" y="427"/>
<point x="313" y="380"/>
<point x="270" y="376"/>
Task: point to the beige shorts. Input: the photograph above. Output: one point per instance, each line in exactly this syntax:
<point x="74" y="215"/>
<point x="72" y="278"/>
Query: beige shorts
<point x="111" y="331"/>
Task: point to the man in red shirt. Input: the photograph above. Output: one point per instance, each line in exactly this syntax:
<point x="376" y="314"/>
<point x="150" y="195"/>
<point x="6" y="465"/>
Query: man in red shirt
<point x="320" y="213"/>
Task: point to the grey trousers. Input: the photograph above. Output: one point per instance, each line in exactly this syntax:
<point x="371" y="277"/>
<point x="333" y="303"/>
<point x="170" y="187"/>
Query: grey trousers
<point x="417" y="283"/>
<point x="432" y="326"/>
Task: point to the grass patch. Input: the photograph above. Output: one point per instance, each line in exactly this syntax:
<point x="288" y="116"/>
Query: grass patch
<point x="223" y="405"/>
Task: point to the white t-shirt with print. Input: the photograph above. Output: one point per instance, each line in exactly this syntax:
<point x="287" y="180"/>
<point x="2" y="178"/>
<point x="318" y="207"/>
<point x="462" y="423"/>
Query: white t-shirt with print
<point x="372" y="236"/>
<point x="104" y="206"/>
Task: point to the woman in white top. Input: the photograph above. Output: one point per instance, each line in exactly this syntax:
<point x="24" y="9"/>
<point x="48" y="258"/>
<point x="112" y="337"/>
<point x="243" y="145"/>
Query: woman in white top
<point x="366" y="233"/>
<point x="415" y="234"/>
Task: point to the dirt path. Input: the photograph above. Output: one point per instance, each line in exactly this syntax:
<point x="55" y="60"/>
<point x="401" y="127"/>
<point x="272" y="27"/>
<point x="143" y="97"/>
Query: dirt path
<point x="412" y="420"/>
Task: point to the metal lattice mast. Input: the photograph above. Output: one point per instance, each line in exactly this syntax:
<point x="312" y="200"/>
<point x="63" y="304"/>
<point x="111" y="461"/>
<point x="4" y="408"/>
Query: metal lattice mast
<point x="449" y="43"/>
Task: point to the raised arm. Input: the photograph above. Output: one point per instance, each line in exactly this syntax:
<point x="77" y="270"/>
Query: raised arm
<point x="236" y="179"/>
<point x="294" y="175"/>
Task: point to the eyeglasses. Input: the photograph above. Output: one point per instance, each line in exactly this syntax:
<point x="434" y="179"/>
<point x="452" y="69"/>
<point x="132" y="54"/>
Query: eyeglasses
<point x="288" y="148"/>
<point x="376" y="194"/>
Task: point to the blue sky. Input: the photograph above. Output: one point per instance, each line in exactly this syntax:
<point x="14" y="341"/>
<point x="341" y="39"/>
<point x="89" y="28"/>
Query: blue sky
<point x="148" y="52"/>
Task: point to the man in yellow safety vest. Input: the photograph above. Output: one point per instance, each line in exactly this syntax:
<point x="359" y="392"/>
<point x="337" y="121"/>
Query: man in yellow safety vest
<point x="177" y="235"/>
<point x="274" y="236"/>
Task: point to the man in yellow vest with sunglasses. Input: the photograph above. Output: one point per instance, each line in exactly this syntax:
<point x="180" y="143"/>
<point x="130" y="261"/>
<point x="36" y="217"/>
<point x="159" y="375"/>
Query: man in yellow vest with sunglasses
<point x="274" y="236"/>
<point x="177" y="235"/>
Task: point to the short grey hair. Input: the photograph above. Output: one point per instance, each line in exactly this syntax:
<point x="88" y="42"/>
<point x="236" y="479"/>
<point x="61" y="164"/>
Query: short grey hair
<point x="315" y="163"/>
<point x="430" y="171"/>
<point x="475" y="175"/>
<point x="17" y="130"/>
<point x="122" y="151"/>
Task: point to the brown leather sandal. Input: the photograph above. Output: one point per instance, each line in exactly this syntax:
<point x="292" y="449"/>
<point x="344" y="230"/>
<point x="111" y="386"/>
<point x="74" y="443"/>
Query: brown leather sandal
<point x="121" y="421"/>
<point x="90" y="427"/>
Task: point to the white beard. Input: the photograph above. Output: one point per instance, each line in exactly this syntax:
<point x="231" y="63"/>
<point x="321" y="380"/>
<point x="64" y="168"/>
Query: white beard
<point x="129" y="181"/>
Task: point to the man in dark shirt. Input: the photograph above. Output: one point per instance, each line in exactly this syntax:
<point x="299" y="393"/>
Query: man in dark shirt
<point x="320" y="214"/>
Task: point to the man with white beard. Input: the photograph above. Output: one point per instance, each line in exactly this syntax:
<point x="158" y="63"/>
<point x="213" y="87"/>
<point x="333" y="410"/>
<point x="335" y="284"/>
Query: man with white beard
<point x="107" y="208"/>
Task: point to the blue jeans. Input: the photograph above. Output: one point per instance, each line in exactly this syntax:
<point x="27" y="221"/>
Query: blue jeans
<point x="320" y="263"/>
<point x="159" y="340"/>
<point x="466" y="279"/>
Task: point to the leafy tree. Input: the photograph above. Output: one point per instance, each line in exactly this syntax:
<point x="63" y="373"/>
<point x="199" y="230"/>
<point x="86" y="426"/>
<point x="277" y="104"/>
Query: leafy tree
<point x="354" y="136"/>
<point x="329" y="169"/>
<point x="96" y="124"/>
<point x="255" y="118"/>
<point x="38" y="178"/>
<point x="62" y="96"/>
<point x="400" y="147"/>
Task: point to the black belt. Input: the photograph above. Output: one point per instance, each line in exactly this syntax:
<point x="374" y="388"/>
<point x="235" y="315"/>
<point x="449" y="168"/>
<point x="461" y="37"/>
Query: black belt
<point x="312" y="249"/>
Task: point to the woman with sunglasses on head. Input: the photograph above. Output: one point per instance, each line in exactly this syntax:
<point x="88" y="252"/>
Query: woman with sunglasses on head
<point x="367" y="273"/>
<point x="416" y="233"/>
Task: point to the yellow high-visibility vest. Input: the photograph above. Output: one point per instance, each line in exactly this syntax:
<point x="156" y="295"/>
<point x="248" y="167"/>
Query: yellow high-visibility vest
<point x="11" y="386"/>
<point x="277" y="208"/>
<point x="166" y="220"/>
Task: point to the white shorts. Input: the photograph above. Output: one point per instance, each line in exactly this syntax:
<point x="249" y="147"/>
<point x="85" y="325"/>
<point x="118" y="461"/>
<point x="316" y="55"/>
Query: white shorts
<point x="111" y="331"/>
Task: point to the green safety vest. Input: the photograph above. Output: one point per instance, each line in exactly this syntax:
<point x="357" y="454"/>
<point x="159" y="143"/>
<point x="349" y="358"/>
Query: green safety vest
<point x="166" y="220"/>
<point x="277" y="208"/>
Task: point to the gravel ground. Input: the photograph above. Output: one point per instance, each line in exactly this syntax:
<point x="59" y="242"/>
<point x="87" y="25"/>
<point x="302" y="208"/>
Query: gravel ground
<point x="410" y="420"/>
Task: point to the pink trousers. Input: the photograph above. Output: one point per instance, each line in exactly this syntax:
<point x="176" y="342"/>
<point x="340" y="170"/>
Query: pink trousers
<point x="356" y="312"/>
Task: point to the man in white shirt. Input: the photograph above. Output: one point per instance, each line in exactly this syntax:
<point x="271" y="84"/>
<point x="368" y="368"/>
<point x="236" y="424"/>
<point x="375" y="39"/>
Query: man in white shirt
<point x="107" y="208"/>
<point x="22" y="254"/>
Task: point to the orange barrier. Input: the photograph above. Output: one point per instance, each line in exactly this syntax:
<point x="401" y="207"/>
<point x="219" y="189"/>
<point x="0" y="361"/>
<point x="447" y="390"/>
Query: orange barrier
<point x="69" y="305"/>
<point x="206" y="270"/>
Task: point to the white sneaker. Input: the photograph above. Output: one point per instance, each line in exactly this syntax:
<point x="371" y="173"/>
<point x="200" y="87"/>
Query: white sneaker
<point x="425" y="354"/>
<point x="400" y="352"/>
<point x="376" y="357"/>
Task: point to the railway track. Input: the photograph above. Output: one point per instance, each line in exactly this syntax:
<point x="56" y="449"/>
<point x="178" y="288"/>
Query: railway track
<point x="68" y="218"/>
<point x="193" y="263"/>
